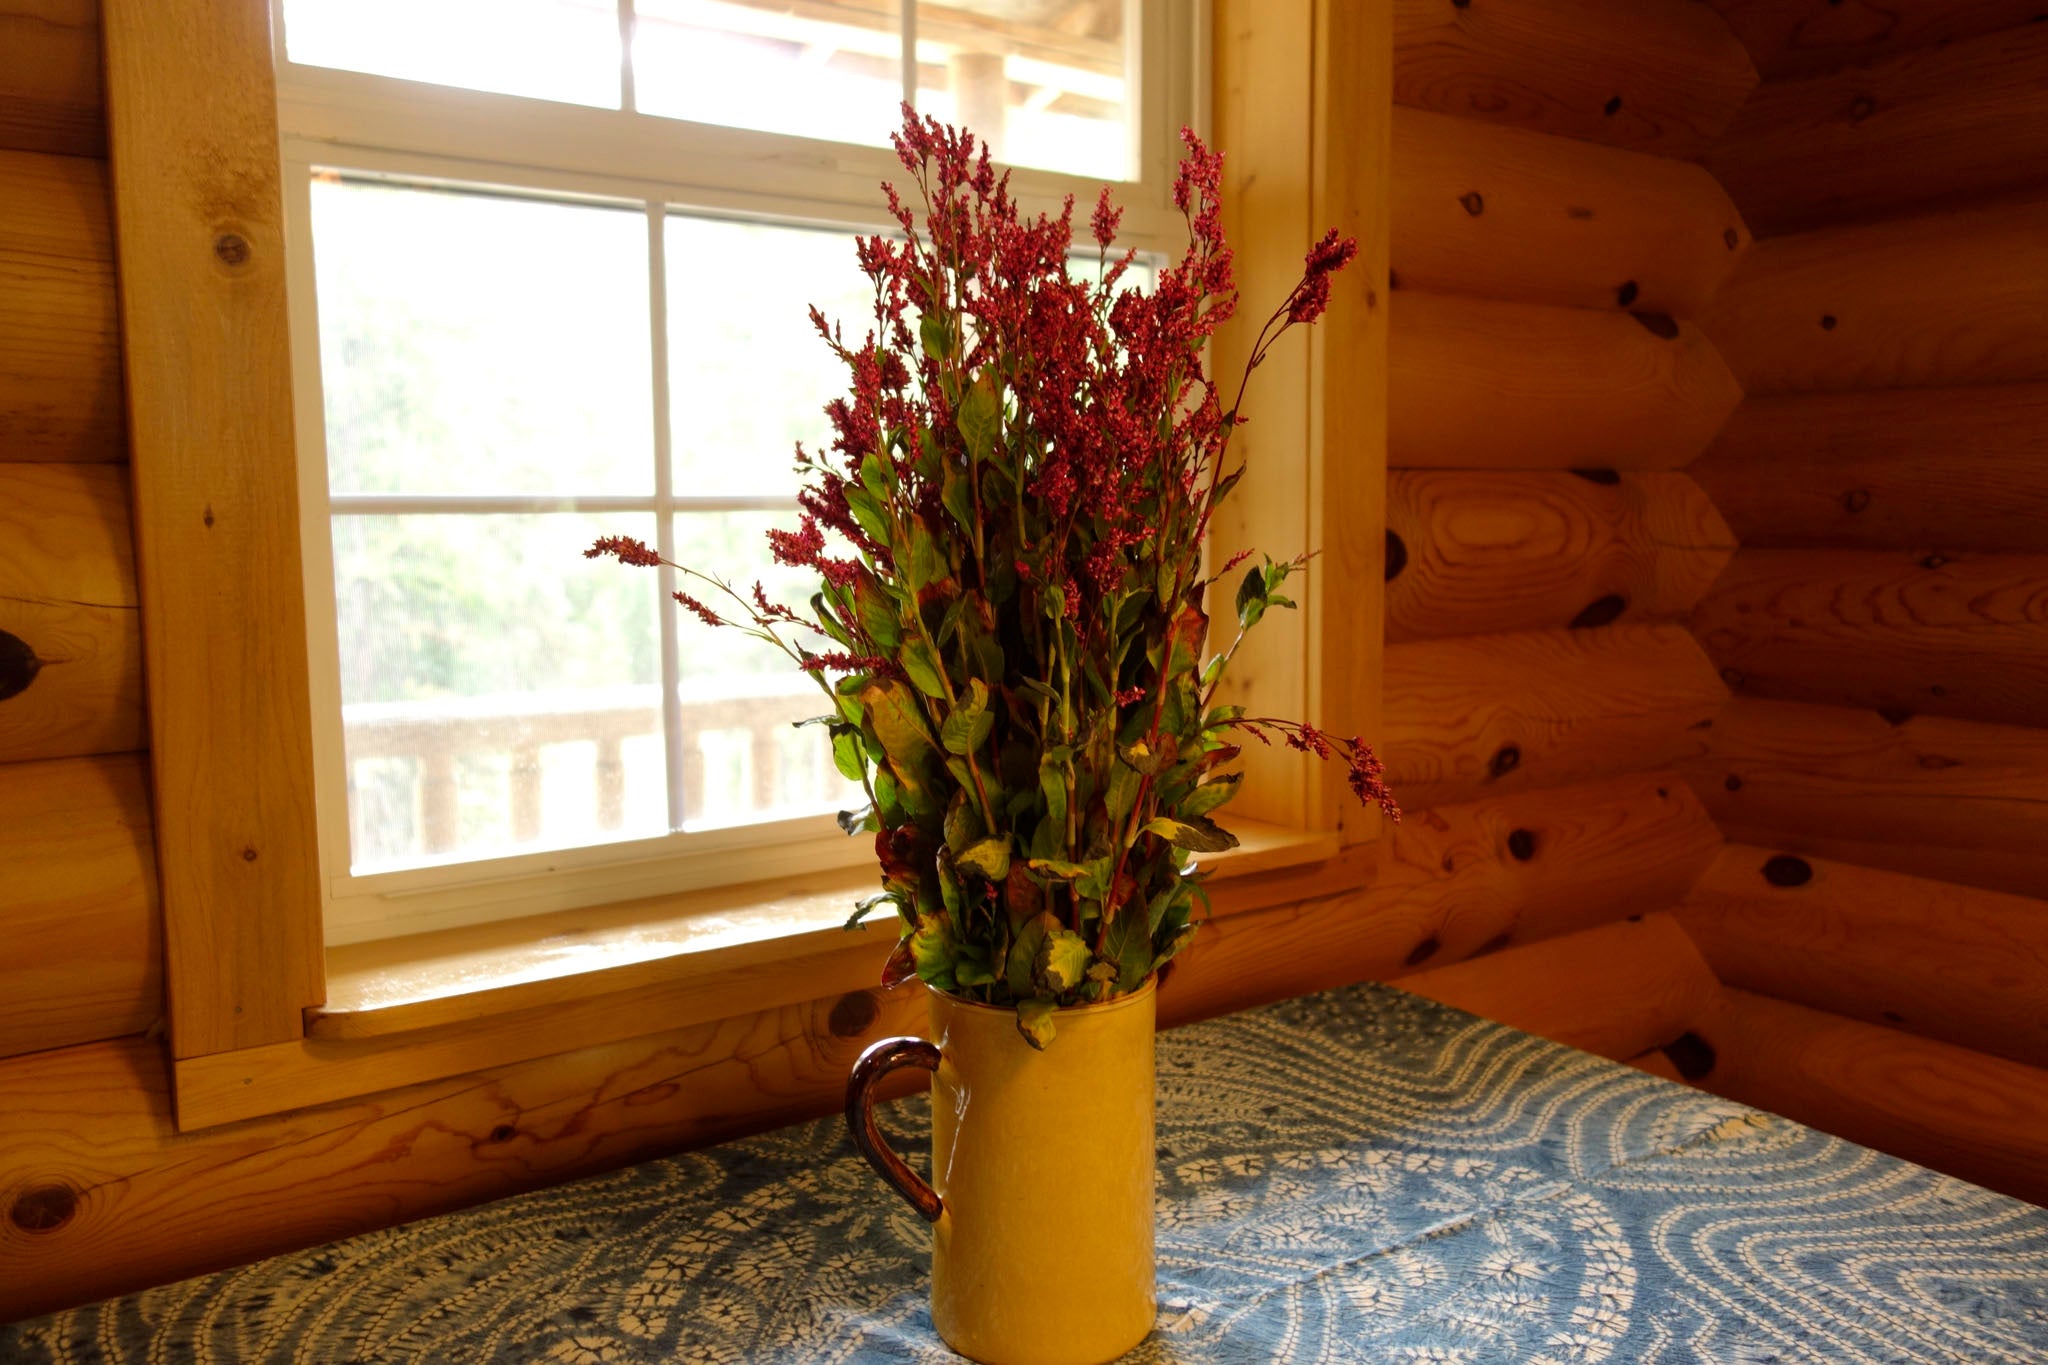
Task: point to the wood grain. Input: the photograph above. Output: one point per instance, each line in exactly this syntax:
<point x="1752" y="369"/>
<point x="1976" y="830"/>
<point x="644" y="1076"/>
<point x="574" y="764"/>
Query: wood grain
<point x="1503" y="213"/>
<point x="1790" y="38"/>
<point x="1467" y="717"/>
<point x="1951" y="298"/>
<point x="1498" y="550"/>
<point x="1911" y="469"/>
<point x="60" y="341"/>
<point x="1925" y="129"/>
<point x="1455" y="881"/>
<point x="1982" y="1118"/>
<point x="50" y="77"/>
<point x="1948" y="799"/>
<point x="1661" y="76"/>
<point x="1930" y="634"/>
<point x="78" y="904"/>
<point x="1479" y="384"/>
<point x="192" y="120"/>
<point x="73" y="681"/>
<point x="1616" y="991"/>
<point x="1965" y="966"/>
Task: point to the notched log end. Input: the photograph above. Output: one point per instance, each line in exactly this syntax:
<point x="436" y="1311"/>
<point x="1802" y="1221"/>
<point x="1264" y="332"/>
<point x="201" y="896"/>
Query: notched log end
<point x="18" y="665"/>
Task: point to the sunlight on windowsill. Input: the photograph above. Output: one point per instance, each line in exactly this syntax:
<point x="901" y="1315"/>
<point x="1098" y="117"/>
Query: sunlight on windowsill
<point x="397" y="985"/>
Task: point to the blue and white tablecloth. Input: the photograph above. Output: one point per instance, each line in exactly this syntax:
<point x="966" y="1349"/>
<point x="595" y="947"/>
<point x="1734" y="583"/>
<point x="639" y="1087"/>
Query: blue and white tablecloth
<point x="1355" y="1176"/>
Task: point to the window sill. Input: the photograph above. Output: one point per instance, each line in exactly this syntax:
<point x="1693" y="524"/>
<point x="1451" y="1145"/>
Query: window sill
<point x="398" y="985"/>
<point x="405" y="1010"/>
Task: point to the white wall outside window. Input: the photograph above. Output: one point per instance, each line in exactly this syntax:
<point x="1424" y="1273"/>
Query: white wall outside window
<point x="552" y="306"/>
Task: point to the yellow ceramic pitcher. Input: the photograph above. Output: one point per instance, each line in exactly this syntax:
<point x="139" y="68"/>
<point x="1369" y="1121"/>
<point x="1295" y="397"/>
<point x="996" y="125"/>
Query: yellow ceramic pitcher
<point x="1041" y="1192"/>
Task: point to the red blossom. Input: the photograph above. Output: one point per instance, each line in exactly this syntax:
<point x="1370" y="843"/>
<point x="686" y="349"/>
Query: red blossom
<point x="702" y="612"/>
<point x="625" y="549"/>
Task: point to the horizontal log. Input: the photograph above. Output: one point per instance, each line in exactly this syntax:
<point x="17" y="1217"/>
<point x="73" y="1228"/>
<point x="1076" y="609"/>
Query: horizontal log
<point x="1908" y="469"/>
<point x="1790" y="38"/>
<point x="78" y="905"/>
<point x="1615" y="991"/>
<point x="1463" y="718"/>
<point x="1927" y="128"/>
<point x="1952" y="298"/>
<point x="1486" y="551"/>
<point x="70" y="630"/>
<point x="1478" y="384"/>
<point x="1503" y="213"/>
<point x="1661" y="76"/>
<point x="50" y="77"/>
<point x="1459" y="880"/>
<point x="60" y="343"/>
<point x="1982" y="1118"/>
<point x="1930" y="634"/>
<point x="1965" y="966"/>
<point x="1947" y="799"/>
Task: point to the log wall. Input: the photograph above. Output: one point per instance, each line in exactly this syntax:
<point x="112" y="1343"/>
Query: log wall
<point x="1884" y="624"/>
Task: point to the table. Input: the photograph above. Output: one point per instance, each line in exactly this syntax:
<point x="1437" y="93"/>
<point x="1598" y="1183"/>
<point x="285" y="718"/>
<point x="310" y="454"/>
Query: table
<point x="1359" y="1175"/>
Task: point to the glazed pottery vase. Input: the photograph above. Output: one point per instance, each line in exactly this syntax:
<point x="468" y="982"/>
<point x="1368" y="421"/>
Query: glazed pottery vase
<point x="1040" y="1198"/>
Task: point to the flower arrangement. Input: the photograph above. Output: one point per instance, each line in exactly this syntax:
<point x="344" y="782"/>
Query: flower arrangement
<point x="1009" y="621"/>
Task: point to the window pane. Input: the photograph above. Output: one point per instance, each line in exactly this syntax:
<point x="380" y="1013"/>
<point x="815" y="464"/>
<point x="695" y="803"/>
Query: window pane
<point x="761" y="65"/>
<point x="748" y="375"/>
<point x="477" y="344"/>
<point x="743" y="760"/>
<point x="498" y="690"/>
<point x="565" y="50"/>
<point x="1044" y="85"/>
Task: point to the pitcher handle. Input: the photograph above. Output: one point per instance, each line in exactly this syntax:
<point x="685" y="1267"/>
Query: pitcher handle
<point x="877" y="1062"/>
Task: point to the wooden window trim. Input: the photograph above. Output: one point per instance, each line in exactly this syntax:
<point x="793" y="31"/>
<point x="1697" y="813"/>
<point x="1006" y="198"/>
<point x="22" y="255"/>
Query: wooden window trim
<point x="196" y="173"/>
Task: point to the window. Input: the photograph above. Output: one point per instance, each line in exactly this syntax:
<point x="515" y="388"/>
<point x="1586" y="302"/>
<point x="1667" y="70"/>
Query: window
<point x="551" y="265"/>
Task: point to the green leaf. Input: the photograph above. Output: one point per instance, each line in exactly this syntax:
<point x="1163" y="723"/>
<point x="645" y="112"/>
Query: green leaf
<point x="931" y="333"/>
<point x="989" y="857"/>
<point x="1034" y="1021"/>
<point x="1148" y="757"/>
<point x="923" y="667"/>
<point x="971" y="968"/>
<point x="860" y="821"/>
<point x="1063" y="961"/>
<point x="1173" y="946"/>
<point x="981" y="412"/>
<point x="1128" y="945"/>
<point x="867" y="907"/>
<point x="1052" y="780"/>
<point x="877" y="613"/>
<point x="1251" y="598"/>
<point x="868" y="512"/>
<point x="957" y="495"/>
<point x="932" y="948"/>
<point x="898" y="722"/>
<point x="925" y="563"/>
<point x="874" y="475"/>
<point x="963" y="823"/>
<point x="847" y="754"/>
<point x="1024" y="950"/>
<point x="1054" y="867"/>
<point x="1210" y="795"/>
<point x="1124" y="781"/>
<point x="967" y="728"/>
<point x="1199" y="833"/>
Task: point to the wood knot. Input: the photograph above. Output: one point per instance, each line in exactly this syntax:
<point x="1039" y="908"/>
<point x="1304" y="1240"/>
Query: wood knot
<point x="1937" y="691"/>
<point x="207" y="517"/>
<point x="1578" y="213"/>
<point x="854" y="1014"/>
<point x="1613" y="106"/>
<point x="45" y="1208"/>
<point x="1601" y="612"/>
<point x="1473" y="202"/>
<point x="1424" y="951"/>
<point x="1397" y="554"/>
<point x="1733" y="677"/>
<point x="1521" y="844"/>
<point x="504" y="1132"/>
<point x="1609" y="477"/>
<point x="1894" y="715"/>
<point x="18" y="665"/>
<point x="1626" y="295"/>
<point x="1782" y="869"/>
<point x="1504" y="761"/>
<point x="1731" y="237"/>
<point x="249" y="855"/>
<point x="1935" y="763"/>
<point x="1827" y="322"/>
<point x="1393" y="279"/>
<point x="1934" y="562"/>
<point x="1892" y="1016"/>
<point x="1855" y="500"/>
<point x="232" y="248"/>
<point x="1732" y="783"/>
<point x="1861" y="108"/>
<point x="1692" y="1055"/>
<point x="1660" y="325"/>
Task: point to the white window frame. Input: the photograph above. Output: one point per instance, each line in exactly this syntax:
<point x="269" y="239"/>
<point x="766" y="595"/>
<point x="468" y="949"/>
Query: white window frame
<point x="382" y="127"/>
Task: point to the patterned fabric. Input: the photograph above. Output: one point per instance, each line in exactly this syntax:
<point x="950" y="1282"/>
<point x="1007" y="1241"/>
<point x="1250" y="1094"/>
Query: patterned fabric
<point x="1357" y="1176"/>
